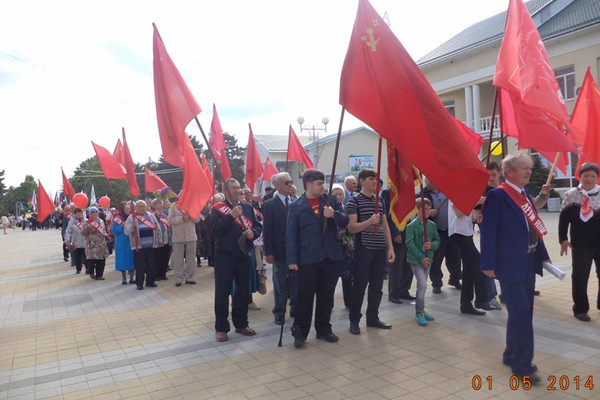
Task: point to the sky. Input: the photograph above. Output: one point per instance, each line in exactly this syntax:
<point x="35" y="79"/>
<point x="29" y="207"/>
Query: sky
<point x="76" y="71"/>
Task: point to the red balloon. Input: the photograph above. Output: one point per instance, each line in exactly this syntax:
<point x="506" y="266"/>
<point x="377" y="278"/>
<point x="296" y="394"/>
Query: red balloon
<point x="80" y="200"/>
<point x="104" y="201"/>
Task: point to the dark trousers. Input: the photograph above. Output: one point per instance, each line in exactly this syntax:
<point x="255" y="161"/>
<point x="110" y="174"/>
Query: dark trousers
<point x="472" y="275"/>
<point x="582" y="264"/>
<point x="96" y="267"/>
<point x="400" y="275"/>
<point x="285" y="283"/>
<point x="162" y="260"/>
<point x="144" y="261"/>
<point x="65" y="250"/>
<point x="518" y="297"/>
<point x="78" y="257"/>
<point x="450" y="252"/>
<point x="369" y="266"/>
<point x="317" y="279"/>
<point x="346" y="275"/>
<point x="228" y="269"/>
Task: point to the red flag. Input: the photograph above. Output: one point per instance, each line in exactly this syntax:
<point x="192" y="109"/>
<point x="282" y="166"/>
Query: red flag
<point x="586" y="120"/>
<point x="207" y="172"/>
<point x="67" y="188"/>
<point x="118" y="153"/>
<point x="197" y="189"/>
<point x="134" y="190"/>
<point x="402" y="179"/>
<point x="175" y="104"/>
<point x="218" y="145"/>
<point x="152" y="183"/>
<point x="109" y="164"/>
<point x="524" y="123"/>
<point x="382" y="86"/>
<point x="45" y="207"/>
<point x="254" y="167"/>
<point x="296" y="152"/>
<point x="529" y="86"/>
<point x="473" y="140"/>
<point x="270" y="170"/>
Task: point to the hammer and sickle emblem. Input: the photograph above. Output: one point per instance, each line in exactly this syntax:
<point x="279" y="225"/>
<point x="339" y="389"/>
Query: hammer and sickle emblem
<point x="372" y="42"/>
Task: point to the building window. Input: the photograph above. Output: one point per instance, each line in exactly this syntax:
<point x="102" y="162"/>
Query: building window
<point x="449" y="104"/>
<point x="566" y="81"/>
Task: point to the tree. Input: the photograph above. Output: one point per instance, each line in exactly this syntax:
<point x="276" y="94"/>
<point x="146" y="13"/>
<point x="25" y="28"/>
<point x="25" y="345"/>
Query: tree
<point x="22" y="193"/>
<point x="539" y="175"/>
<point x="90" y="173"/>
<point x="3" y="200"/>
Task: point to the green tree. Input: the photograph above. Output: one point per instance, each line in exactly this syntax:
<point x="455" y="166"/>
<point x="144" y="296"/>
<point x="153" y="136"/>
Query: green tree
<point x="539" y="175"/>
<point x="21" y="193"/>
<point x="4" y="209"/>
<point x="89" y="173"/>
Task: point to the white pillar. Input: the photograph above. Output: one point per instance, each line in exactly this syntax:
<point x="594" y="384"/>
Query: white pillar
<point x="469" y="106"/>
<point x="476" y="109"/>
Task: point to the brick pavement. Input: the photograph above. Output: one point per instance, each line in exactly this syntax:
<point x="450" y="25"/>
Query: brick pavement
<point x="65" y="336"/>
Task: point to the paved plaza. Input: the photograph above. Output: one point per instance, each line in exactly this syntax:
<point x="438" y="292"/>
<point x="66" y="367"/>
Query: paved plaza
<point x="65" y="336"/>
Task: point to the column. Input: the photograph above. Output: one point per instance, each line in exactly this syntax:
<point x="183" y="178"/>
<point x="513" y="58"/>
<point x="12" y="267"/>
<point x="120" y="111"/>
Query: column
<point x="469" y="106"/>
<point x="476" y="109"/>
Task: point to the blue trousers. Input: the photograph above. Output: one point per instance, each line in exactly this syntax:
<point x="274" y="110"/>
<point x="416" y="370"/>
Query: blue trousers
<point x="518" y="297"/>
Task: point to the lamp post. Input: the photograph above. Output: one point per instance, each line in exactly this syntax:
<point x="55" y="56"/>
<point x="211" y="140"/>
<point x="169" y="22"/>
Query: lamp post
<point x="18" y="207"/>
<point x="314" y="136"/>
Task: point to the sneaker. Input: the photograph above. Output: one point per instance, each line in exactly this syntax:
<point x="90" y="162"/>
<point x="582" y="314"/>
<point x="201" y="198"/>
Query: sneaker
<point x="421" y="319"/>
<point x="494" y="305"/>
<point x="253" y="306"/>
<point x="428" y="316"/>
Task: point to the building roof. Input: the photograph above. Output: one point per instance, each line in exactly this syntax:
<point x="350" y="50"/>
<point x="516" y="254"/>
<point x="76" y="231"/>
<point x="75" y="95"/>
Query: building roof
<point x="552" y="17"/>
<point x="277" y="143"/>
<point x="333" y="136"/>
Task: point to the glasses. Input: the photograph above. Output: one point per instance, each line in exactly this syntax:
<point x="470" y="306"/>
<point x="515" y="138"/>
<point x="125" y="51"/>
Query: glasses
<point x="288" y="183"/>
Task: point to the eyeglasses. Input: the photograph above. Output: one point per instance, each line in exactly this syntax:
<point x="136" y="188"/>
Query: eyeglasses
<point x="288" y="183"/>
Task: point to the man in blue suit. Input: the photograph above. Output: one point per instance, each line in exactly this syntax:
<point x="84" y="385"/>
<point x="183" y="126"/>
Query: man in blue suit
<point x="275" y="212"/>
<point x="512" y="251"/>
<point x="316" y="256"/>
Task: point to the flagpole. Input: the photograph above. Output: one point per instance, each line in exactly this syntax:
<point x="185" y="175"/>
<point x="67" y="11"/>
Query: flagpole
<point x="214" y="172"/>
<point x="378" y="178"/>
<point x="287" y="153"/>
<point x="335" y="155"/>
<point x="489" y="152"/>
<point x="551" y="173"/>
<point x="111" y="190"/>
<point x="425" y="239"/>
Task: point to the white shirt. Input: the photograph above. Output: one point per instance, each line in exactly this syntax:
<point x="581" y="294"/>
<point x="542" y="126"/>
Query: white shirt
<point x="461" y="225"/>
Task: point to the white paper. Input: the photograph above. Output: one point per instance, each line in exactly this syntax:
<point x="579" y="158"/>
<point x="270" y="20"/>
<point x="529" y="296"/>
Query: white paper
<point x="557" y="272"/>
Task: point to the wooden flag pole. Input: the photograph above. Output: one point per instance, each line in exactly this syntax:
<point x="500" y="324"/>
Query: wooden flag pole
<point x="551" y="173"/>
<point x="489" y="152"/>
<point x="335" y="155"/>
<point x="378" y="178"/>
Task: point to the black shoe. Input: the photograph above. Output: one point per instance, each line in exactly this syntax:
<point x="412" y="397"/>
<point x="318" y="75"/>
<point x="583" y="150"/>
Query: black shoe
<point x="501" y="298"/>
<point x="354" y="328"/>
<point x="278" y="320"/>
<point x="469" y="309"/>
<point x="395" y="300"/>
<point x="298" y="337"/>
<point x="536" y="293"/>
<point x="140" y="288"/>
<point x="131" y="281"/>
<point x="456" y="284"/>
<point x="329" y="337"/>
<point x="379" y="324"/>
<point x="407" y="296"/>
<point x="124" y="283"/>
<point x="151" y="285"/>
<point x="437" y="290"/>
<point x="535" y="368"/>
<point x="583" y="317"/>
<point x="533" y="378"/>
<point x="78" y="272"/>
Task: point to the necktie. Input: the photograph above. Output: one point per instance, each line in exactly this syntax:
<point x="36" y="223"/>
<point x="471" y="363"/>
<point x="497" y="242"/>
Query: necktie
<point x="287" y="202"/>
<point x="586" y="211"/>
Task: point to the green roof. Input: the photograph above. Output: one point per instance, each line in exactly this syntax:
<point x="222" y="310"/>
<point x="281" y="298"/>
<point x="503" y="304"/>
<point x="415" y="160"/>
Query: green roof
<point x="577" y="15"/>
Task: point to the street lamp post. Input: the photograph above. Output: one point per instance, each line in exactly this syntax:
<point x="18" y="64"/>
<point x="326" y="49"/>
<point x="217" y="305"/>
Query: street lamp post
<point x="314" y="136"/>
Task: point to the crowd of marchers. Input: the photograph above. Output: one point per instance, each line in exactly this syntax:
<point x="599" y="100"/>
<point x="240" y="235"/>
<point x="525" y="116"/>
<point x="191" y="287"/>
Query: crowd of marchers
<point x="314" y="240"/>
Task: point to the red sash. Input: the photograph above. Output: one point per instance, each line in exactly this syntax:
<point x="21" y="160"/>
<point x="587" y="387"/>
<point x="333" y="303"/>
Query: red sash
<point x="258" y="213"/>
<point x="529" y="211"/>
<point x="69" y="216"/>
<point x="145" y="221"/>
<point x="96" y="226"/>
<point x="118" y="220"/>
<point x="79" y="225"/>
<point x="164" y="220"/>
<point x="224" y="209"/>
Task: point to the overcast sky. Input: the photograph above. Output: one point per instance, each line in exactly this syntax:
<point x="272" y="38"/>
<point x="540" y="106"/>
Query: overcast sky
<point x="76" y="71"/>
